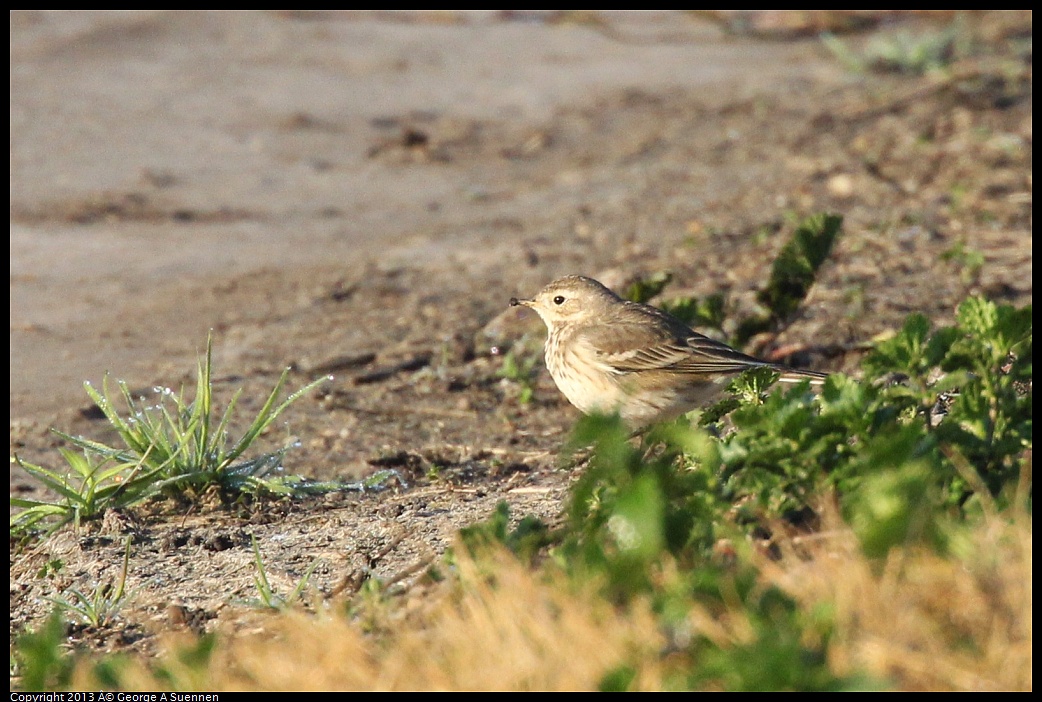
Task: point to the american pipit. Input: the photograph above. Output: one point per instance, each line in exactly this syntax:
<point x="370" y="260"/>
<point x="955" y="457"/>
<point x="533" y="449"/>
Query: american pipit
<point x="607" y="354"/>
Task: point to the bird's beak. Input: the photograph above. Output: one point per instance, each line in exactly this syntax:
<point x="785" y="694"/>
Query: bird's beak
<point x="514" y="302"/>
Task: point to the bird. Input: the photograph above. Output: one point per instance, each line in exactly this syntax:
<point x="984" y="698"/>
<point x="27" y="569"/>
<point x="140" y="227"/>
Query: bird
<point x="608" y="355"/>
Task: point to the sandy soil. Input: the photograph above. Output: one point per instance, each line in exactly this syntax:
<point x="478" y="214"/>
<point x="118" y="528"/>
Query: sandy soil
<point x="361" y="193"/>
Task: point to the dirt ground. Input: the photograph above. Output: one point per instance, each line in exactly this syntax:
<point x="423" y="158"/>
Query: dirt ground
<point x="360" y="194"/>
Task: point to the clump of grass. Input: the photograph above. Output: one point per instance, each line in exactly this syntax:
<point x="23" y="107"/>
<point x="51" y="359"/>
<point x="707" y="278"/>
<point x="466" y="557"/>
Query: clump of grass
<point x="99" y="607"/>
<point x="266" y="595"/>
<point x="90" y="487"/>
<point x="173" y="445"/>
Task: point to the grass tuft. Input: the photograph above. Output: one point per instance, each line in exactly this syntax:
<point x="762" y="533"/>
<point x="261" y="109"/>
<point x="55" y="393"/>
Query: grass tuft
<point x="174" y="445"/>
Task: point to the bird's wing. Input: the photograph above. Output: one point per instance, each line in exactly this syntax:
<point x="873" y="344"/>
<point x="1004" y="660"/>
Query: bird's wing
<point x="631" y="348"/>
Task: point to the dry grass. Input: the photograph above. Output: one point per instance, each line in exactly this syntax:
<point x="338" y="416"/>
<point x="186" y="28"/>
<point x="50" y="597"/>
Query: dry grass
<point x="500" y="626"/>
<point x="918" y="620"/>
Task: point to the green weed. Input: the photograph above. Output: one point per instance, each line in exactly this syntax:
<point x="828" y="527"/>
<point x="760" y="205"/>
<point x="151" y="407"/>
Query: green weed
<point x="521" y="367"/>
<point x="905" y="52"/>
<point x="792" y="274"/>
<point x="791" y="277"/>
<point x="39" y="659"/>
<point x="645" y="289"/>
<point x="969" y="261"/>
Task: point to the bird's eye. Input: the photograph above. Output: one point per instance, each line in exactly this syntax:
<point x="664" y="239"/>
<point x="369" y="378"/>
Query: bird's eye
<point x="559" y="300"/>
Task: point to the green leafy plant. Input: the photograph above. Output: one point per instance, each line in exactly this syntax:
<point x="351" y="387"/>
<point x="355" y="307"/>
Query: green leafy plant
<point x="39" y="659"/>
<point x="703" y="312"/>
<point x="941" y="420"/>
<point x="652" y="522"/>
<point x="632" y="503"/>
<point x="697" y="312"/>
<point x="983" y="394"/>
